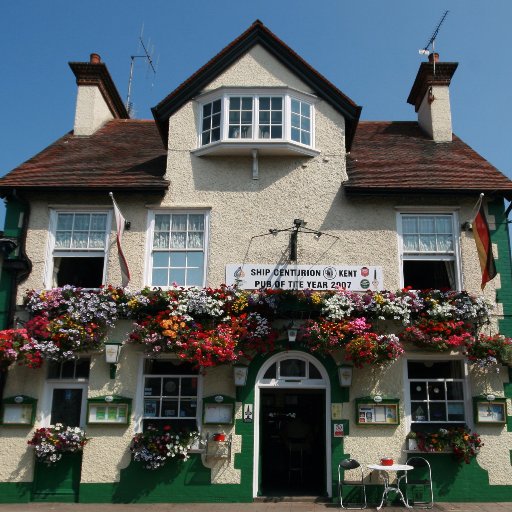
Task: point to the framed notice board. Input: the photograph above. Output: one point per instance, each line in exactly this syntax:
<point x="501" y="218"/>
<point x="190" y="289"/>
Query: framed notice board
<point x="109" y="410"/>
<point x="218" y="410"/>
<point x="382" y="412"/>
<point x="18" y="410"/>
<point x="490" y="411"/>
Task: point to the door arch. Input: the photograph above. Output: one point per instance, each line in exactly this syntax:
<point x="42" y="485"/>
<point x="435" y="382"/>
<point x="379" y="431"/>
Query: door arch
<point x="312" y="375"/>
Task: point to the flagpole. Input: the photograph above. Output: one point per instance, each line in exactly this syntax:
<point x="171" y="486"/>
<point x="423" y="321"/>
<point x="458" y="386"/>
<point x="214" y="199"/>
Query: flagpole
<point x="121" y="224"/>
<point x="475" y="209"/>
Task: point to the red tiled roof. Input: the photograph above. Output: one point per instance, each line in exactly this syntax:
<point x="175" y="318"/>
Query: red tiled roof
<point x="123" y="155"/>
<point x="390" y="156"/>
<point x="386" y="157"/>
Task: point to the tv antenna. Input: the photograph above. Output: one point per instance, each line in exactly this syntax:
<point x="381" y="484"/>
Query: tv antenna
<point x="432" y="40"/>
<point x="151" y="67"/>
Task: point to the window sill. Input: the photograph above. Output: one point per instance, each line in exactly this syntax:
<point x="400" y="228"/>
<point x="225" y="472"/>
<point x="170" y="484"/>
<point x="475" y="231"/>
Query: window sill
<point x="265" y="148"/>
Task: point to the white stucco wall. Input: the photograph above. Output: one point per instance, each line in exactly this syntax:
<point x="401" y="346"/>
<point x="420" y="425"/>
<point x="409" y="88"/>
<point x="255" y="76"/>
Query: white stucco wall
<point x="435" y="118"/>
<point x="91" y="110"/>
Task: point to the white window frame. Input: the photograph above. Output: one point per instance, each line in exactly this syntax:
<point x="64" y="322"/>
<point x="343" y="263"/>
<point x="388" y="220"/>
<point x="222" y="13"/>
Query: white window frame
<point x="91" y="253"/>
<point x="210" y="129"/>
<point x="47" y="398"/>
<point x="468" y="407"/>
<point x="287" y="94"/>
<point x="149" y="241"/>
<point x="255" y="125"/>
<point x="138" y="408"/>
<point x="456" y="257"/>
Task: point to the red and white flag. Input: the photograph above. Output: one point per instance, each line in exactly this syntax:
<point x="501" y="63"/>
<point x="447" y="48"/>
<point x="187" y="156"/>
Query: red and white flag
<point x="120" y="221"/>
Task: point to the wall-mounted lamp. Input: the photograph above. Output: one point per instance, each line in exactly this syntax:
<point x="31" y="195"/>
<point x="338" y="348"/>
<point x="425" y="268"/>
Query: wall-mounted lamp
<point x="466" y="226"/>
<point x="345" y="375"/>
<point x="273" y="231"/>
<point x="317" y="235"/>
<point x="292" y="334"/>
<point x="112" y="353"/>
<point x="490" y="397"/>
<point x="240" y="373"/>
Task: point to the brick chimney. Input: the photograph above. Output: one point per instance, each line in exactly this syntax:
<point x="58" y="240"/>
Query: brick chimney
<point x="431" y="97"/>
<point x="98" y="100"/>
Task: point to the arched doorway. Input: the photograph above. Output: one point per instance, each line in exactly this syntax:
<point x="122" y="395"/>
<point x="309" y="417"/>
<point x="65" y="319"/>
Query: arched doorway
<point x="292" y="444"/>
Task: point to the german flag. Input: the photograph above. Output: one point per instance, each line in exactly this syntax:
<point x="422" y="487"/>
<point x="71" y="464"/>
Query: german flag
<point x="484" y="246"/>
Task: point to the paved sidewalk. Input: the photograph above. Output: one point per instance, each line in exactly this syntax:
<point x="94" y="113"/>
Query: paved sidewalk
<point x="234" y="507"/>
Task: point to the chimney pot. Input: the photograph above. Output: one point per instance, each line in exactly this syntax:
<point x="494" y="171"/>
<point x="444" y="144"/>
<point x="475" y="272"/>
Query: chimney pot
<point x="95" y="58"/>
<point x="433" y="57"/>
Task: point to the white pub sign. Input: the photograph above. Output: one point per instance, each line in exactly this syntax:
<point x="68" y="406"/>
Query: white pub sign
<point x="253" y="276"/>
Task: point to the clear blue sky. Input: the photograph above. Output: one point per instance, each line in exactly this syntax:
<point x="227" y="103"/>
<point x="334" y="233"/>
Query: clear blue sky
<point x="367" y="48"/>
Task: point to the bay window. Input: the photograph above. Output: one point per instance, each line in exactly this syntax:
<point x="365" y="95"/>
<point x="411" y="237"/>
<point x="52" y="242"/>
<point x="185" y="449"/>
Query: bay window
<point x="276" y="121"/>
<point x="178" y="249"/>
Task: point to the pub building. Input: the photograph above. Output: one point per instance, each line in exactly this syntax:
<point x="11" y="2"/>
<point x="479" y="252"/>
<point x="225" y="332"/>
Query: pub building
<point x="292" y="287"/>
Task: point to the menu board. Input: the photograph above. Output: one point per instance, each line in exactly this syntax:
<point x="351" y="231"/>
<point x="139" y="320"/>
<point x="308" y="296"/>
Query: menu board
<point x="377" y="414"/>
<point x="17" y="414"/>
<point x="108" y="413"/>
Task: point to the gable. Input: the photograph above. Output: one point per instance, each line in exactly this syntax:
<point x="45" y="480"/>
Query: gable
<point x="257" y="34"/>
<point x="258" y="68"/>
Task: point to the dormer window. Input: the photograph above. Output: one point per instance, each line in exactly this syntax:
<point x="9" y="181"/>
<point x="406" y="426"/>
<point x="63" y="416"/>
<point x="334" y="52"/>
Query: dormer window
<point x="273" y="121"/>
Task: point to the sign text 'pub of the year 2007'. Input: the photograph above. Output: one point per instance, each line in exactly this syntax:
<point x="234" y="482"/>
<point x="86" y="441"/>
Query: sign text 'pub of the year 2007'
<point x="253" y="276"/>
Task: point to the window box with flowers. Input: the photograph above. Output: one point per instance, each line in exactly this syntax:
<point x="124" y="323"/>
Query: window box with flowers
<point x="50" y="443"/>
<point x="460" y="441"/>
<point x="154" y="448"/>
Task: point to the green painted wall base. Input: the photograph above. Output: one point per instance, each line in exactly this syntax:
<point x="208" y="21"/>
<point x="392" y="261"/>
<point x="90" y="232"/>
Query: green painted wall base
<point x="452" y="483"/>
<point x="176" y="482"/>
<point x="18" y="492"/>
<point x="59" y="482"/>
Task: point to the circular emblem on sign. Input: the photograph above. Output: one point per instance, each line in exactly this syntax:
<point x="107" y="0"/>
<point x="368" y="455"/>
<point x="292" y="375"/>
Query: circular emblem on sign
<point x="365" y="272"/>
<point x="239" y="273"/>
<point x="329" y="272"/>
<point x="219" y="399"/>
<point x="365" y="284"/>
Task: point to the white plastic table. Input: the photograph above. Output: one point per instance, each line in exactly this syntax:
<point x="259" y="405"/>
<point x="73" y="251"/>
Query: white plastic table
<point x="384" y="471"/>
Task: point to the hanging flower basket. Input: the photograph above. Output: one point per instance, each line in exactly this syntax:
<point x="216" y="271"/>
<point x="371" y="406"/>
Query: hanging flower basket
<point x="489" y="351"/>
<point x="373" y="349"/>
<point x="437" y="335"/>
<point x="17" y="347"/>
<point x="215" y="326"/>
<point x="325" y="336"/>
